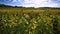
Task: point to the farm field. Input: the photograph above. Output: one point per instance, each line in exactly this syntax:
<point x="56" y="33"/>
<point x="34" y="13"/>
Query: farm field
<point x="29" y="20"/>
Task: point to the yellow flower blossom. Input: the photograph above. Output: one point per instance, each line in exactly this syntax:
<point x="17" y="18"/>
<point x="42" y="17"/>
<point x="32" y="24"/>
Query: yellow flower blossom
<point x="26" y="16"/>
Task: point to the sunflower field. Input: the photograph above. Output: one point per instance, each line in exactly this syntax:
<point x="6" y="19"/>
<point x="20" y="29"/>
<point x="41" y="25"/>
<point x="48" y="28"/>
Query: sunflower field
<point x="29" y="23"/>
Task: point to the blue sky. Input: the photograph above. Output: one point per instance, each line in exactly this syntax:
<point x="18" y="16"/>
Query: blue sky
<point x="32" y="3"/>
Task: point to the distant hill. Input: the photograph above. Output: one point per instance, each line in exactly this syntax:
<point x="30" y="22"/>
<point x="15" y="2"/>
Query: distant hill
<point x="3" y="5"/>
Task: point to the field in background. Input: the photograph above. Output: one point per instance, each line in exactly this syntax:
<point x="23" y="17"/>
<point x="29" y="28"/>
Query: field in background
<point x="29" y="21"/>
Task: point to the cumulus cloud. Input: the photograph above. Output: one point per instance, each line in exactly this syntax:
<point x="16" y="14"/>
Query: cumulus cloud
<point x="15" y="0"/>
<point x="9" y="0"/>
<point x="40" y="3"/>
<point x="35" y="3"/>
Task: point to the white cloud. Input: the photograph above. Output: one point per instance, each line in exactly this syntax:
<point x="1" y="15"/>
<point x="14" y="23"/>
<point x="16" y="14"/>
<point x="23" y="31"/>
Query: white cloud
<point x="15" y="0"/>
<point x="19" y="0"/>
<point x="36" y="3"/>
<point x="39" y="3"/>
